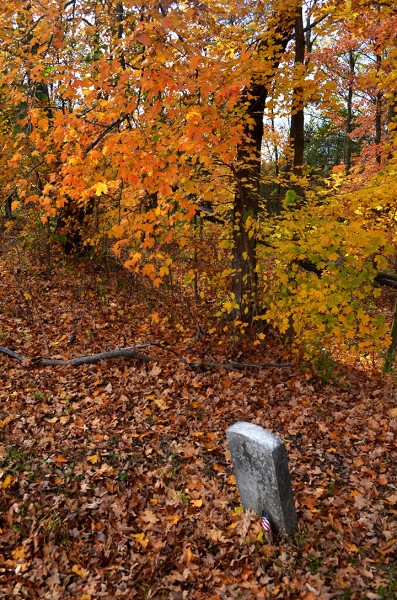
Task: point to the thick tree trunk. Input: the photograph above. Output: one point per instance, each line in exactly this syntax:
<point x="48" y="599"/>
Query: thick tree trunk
<point x="246" y="204"/>
<point x="248" y="176"/>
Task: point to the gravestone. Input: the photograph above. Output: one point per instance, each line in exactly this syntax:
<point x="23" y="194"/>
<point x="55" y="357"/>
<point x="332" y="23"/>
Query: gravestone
<point x="261" y="468"/>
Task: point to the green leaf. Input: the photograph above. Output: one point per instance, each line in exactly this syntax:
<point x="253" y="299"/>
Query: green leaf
<point x="290" y="198"/>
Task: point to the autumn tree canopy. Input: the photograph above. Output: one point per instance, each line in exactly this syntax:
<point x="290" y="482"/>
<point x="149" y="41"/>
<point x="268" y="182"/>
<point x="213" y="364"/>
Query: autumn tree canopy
<point x="188" y="136"/>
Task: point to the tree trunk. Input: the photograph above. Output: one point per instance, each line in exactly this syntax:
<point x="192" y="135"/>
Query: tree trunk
<point x="246" y="204"/>
<point x="391" y="352"/>
<point x="378" y="114"/>
<point x="297" y="133"/>
<point x="248" y="171"/>
<point x="349" y="118"/>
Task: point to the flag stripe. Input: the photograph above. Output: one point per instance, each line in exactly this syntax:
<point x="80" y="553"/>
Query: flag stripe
<point x="266" y="525"/>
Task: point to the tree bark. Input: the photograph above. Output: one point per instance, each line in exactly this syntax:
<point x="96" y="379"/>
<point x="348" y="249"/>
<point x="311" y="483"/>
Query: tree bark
<point x="391" y="352"/>
<point x="378" y="114"/>
<point x="297" y="134"/>
<point x="248" y="176"/>
<point x="349" y="118"/>
<point x="246" y="204"/>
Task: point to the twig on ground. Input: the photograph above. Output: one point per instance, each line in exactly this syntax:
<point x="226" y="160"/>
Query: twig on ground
<point x="233" y="366"/>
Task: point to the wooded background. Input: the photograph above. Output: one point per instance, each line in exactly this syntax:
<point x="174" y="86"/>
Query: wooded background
<point x="242" y="150"/>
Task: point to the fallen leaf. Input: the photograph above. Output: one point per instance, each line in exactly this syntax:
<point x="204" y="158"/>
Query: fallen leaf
<point x="392" y="499"/>
<point x="219" y="468"/>
<point x="197" y="503"/>
<point x="93" y="458"/>
<point x="83" y="573"/>
<point x="18" y="553"/>
<point x="310" y="501"/>
<point x="60" y="459"/>
<point x="156" y="370"/>
<point x="149" y="517"/>
<point x="140" y="539"/>
<point x="7" y="482"/>
<point x="173" y="518"/>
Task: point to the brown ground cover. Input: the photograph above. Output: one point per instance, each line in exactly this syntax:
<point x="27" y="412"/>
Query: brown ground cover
<point x="115" y="478"/>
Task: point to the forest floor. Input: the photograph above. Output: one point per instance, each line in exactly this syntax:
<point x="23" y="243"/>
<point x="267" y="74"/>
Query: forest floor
<point x="116" y="480"/>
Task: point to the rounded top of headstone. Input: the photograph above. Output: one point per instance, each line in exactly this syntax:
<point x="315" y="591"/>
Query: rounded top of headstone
<point x="254" y="433"/>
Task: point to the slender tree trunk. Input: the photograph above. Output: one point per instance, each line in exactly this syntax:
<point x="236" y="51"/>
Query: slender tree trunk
<point x="349" y="118"/>
<point x="297" y="131"/>
<point x="120" y="29"/>
<point x="378" y="115"/>
<point x="391" y="352"/>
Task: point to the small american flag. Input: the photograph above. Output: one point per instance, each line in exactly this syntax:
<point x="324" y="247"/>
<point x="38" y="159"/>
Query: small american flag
<point x="265" y="522"/>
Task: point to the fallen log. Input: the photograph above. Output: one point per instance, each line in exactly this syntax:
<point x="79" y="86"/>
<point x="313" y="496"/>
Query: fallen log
<point x="80" y="360"/>
<point x="10" y="353"/>
<point x="132" y="353"/>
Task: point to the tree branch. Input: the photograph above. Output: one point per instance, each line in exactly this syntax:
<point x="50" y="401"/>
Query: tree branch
<point x="81" y="360"/>
<point x="234" y="366"/>
<point x="132" y="353"/>
<point x="102" y="135"/>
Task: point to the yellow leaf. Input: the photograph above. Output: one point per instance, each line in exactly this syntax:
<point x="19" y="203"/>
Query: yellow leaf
<point x="189" y="554"/>
<point x="7" y="481"/>
<point x="197" y="503"/>
<point x="117" y="230"/>
<point x="5" y="421"/>
<point x="27" y="296"/>
<point x="193" y="115"/>
<point x="140" y="539"/>
<point x="80" y="571"/>
<point x="174" y="519"/>
<point x="100" y="188"/>
<point x="93" y="458"/>
<point x="18" y="553"/>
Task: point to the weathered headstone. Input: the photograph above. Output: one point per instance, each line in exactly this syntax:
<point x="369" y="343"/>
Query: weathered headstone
<point x="261" y="467"/>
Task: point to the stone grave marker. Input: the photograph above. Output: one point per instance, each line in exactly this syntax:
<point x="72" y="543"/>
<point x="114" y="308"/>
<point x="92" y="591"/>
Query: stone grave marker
<point x="261" y="468"/>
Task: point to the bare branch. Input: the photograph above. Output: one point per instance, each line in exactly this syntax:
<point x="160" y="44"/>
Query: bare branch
<point x="102" y="135"/>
